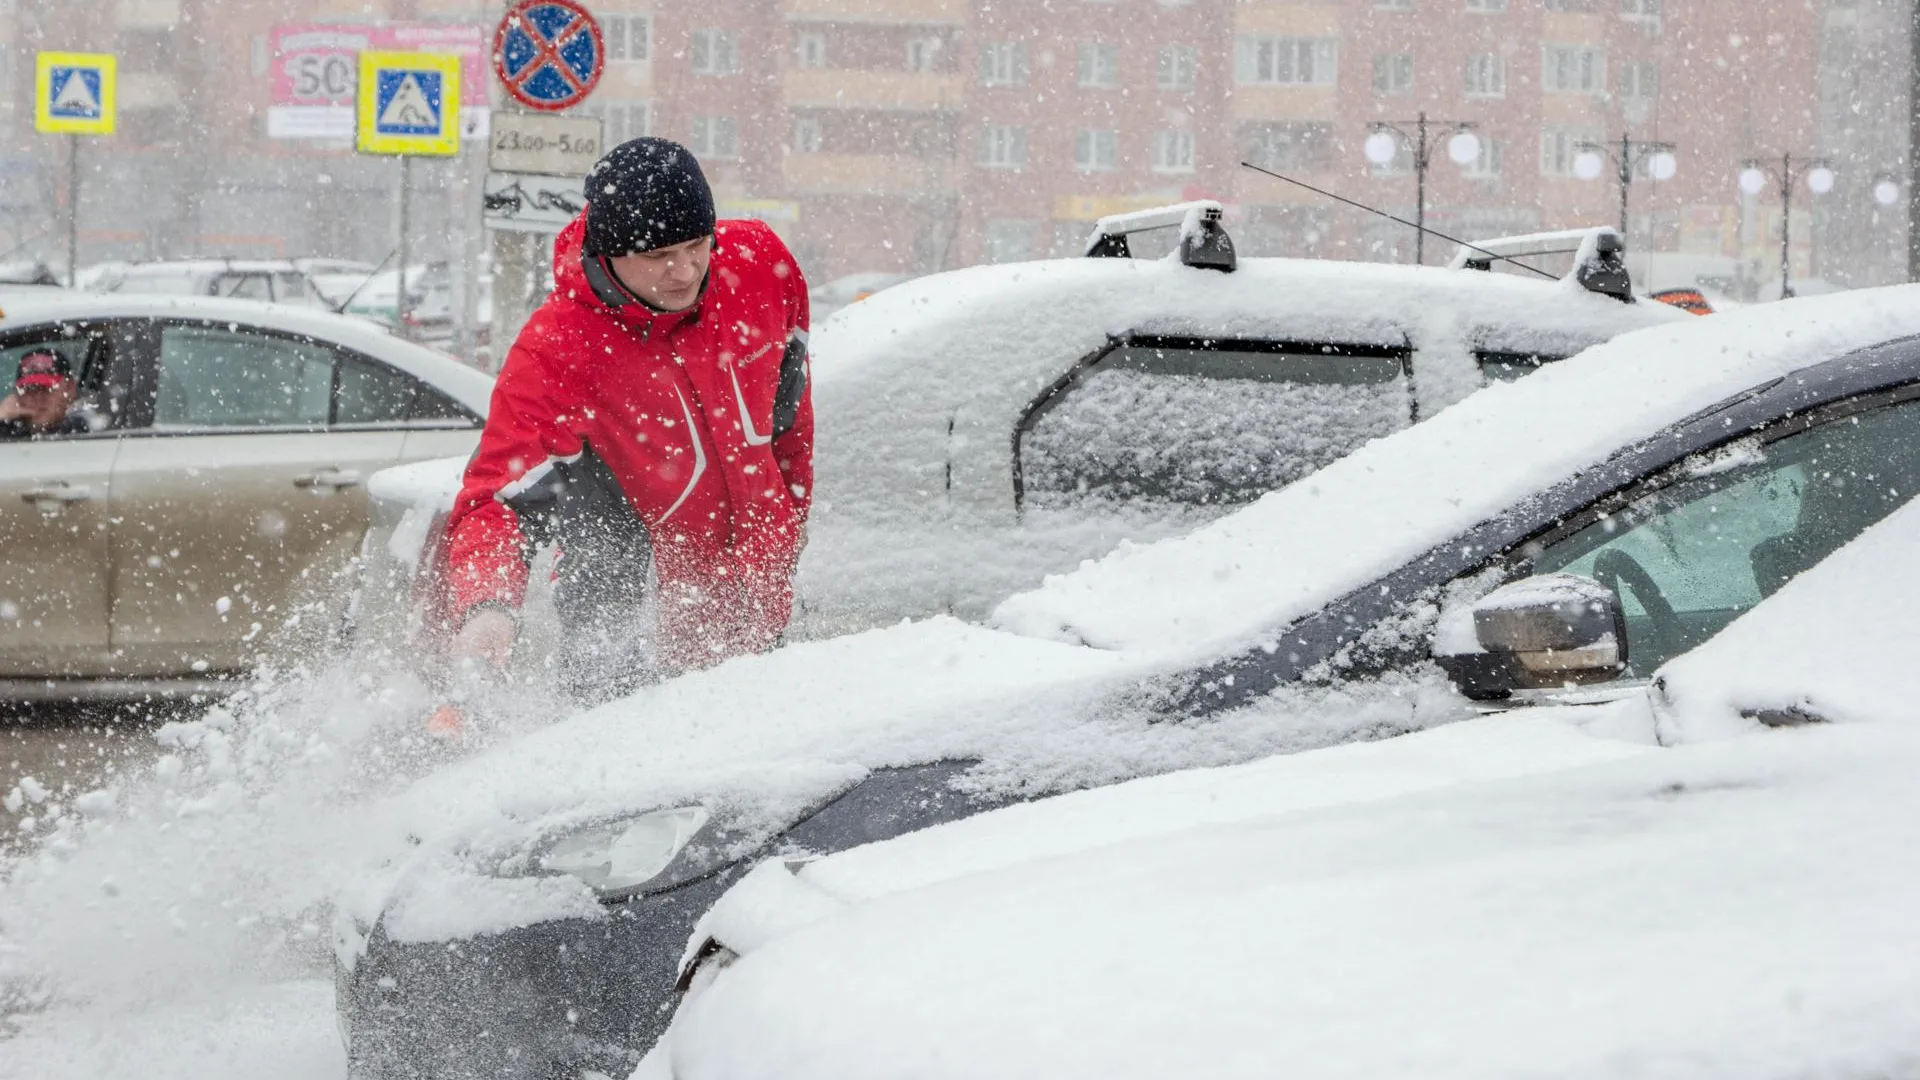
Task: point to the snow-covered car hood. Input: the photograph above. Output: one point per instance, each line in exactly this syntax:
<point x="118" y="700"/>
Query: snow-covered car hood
<point x="1544" y="892"/>
<point x="1235" y="582"/>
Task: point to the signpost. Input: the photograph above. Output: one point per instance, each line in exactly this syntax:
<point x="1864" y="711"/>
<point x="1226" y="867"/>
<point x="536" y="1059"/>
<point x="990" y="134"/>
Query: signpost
<point x="548" y="56"/>
<point x="409" y="105"/>
<point x="73" y="96"/>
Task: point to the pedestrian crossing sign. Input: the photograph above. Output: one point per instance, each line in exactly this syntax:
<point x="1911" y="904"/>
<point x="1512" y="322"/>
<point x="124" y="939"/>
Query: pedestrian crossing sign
<point x="73" y="93"/>
<point x="409" y="103"/>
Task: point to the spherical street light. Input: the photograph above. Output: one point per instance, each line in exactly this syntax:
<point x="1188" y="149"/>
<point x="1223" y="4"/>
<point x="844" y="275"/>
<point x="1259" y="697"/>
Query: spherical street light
<point x="1382" y="147"/>
<point x="1464" y="148"/>
<point x="1587" y="165"/>
<point x="1886" y="193"/>
<point x="1753" y="181"/>
<point x="1820" y="180"/>
<point x="1662" y="166"/>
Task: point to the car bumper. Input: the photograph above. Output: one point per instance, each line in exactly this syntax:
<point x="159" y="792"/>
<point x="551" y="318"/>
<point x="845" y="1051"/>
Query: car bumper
<point x="551" y="1001"/>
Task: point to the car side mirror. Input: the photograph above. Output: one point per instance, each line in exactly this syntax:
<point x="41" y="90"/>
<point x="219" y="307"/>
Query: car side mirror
<point x="1538" y="633"/>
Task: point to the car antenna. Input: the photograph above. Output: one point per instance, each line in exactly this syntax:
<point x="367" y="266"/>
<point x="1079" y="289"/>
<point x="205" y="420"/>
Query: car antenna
<point x="1401" y="220"/>
<point x="371" y="274"/>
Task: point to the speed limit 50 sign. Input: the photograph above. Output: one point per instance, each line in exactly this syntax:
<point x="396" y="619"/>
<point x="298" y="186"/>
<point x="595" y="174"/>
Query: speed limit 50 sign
<point x="315" y="71"/>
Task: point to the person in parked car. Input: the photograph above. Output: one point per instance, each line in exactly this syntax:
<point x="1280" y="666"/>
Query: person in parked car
<point x="42" y="402"/>
<point x="654" y="413"/>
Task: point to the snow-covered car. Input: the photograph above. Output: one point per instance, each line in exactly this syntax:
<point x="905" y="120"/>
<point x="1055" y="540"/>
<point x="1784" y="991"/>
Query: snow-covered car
<point x="282" y="281"/>
<point x="534" y="916"/>
<point x="1713" y="876"/>
<point x="220" y="488"/>
<point x="980" y="429"/>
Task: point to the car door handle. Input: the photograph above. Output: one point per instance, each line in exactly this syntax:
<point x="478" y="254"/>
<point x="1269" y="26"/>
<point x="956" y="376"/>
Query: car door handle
<point x="57" y="492"/>
<point x="327" y="478"/>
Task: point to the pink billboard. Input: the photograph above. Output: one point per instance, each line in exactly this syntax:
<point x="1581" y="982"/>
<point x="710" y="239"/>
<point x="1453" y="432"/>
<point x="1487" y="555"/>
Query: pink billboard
<point x="317" y="66"/>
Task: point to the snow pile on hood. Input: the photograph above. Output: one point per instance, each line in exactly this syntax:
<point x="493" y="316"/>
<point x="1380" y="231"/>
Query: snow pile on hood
<point x="1233" y="582"/>
<point x="918" y="390"/>
<point x="1726" y="910"/>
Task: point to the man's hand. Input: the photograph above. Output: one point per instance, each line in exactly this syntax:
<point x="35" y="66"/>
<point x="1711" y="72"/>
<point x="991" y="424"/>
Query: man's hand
<point x="487" y="636"/>
<point x="10" y="408"/>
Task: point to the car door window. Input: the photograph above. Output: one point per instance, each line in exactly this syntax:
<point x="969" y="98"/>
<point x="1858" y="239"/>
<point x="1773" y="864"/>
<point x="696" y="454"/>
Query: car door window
<point x="243" y="286"/>
<point x="211" y="377"/>
<point x="1205" y="422"/>
<point x="1689" y="558"/>
<point x="1500" y="366"/>
<point x="372" y="393"/>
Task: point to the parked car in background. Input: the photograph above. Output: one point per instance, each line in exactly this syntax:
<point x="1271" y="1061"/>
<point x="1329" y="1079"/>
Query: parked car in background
<point x="277" y="280"/>
<point x="430" y="314"/>
<point x="223" y="489"/>
<point x="1584" y="525"/>
<point x="29" y="272"/>
<point x="1708" y="877"/>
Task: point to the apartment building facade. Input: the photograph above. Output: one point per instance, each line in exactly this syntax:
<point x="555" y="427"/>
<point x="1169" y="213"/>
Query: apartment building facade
<point x="914" y="135"/>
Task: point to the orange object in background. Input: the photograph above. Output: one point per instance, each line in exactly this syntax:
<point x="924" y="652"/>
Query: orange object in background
<point x="447" y="721"/>
<point x="1685" y="300"/>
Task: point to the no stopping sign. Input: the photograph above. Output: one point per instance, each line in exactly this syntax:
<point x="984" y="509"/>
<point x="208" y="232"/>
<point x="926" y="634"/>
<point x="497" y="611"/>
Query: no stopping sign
<point x="549" y="53"/>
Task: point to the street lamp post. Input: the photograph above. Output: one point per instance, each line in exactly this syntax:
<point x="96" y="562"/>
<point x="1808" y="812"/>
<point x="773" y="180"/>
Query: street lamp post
<point x="1421" y="134"/>
<point x="1658" y="156"/>
<point x="1753" y="180"/>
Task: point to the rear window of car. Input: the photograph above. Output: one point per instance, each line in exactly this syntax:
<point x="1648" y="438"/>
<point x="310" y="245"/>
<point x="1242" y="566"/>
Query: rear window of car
<point x="1203" y="422"/>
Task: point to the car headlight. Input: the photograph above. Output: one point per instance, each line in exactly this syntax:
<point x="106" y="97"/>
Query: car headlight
<point x="622" y="856"/>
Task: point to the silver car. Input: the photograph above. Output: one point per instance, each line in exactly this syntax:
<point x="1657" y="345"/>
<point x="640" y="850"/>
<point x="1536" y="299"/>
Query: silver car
<point x="220" y="491"/>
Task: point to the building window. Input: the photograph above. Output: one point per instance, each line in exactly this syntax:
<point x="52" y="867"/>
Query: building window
<point x="1096" y="149"/>
<point x="713" y="53"/>
<point x="1570" y="5"/>
<point x="1558" y="148"/>
<point x="1640" y="80"/>
<point x="923" y="54"/>
<point x="1285" y="146"/>
<point x="1486" y="5"/>
<point x="1099" y="64"/>
<point x="715" y="137"/>
<point x="1487" y="165"/>
<point x="1393" y="5"/>
<point x="1393" y="73"/>
<point x="1003" y="146"/>
<point x="1286" y="61"/>
<point x="1486" y="76"/>
<point x="1173" y="152"/>
<point x="1008" y="241"/>
<point x="1641" y="9"/>
<point x="1178" y="64"/>
<point x="1573" y="69"/>
<point x="621" y="121"/>
<point x="807" y="135"/>
<point x="810" y="51"/>
<point x="1003" y="64"/>
<point x="629" y="38"/>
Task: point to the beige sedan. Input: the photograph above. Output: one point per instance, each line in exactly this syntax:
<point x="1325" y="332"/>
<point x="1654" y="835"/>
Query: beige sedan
<point x="214" y="514"/>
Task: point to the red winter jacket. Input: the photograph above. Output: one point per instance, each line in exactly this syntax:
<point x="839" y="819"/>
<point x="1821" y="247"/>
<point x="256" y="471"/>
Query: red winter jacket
<point x="681" y="409"/>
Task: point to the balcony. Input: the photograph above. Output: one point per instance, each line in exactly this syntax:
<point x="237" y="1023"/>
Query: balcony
<point x="832" y="88"/>
<point x="894" y="12"/>
<point x="865" y="174"/>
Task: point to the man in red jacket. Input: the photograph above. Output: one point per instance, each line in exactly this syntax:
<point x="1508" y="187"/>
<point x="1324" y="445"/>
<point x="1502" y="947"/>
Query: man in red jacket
<point x="654" y="413"/>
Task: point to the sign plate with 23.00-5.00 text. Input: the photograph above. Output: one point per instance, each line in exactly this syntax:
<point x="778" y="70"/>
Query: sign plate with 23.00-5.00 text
<point x="541" y="143"/>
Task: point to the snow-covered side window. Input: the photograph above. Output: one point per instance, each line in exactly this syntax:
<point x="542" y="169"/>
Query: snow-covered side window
<point x="1202" y="423"/>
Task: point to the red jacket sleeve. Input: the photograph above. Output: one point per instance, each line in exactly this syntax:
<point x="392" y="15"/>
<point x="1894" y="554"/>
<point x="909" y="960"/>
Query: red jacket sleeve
<point x="527" y="425"/>
<point x="793" y="451"/>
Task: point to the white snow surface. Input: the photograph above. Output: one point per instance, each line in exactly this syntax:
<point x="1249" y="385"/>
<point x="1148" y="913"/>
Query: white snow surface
<point x="1239" y="580"/>
<point x="1508" y="896"/>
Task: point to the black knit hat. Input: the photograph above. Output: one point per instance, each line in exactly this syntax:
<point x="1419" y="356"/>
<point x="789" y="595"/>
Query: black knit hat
<point x="646" y="194"/>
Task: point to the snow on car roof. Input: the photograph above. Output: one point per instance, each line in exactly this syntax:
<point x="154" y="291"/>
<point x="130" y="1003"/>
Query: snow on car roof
<point x="1500" y="897"/>
<point x="1236" y="581"/>
<point x="940" y="368"/>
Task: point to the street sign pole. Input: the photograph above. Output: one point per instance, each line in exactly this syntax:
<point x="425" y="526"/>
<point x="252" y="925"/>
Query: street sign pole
<point x="401" y="304"/>
<point x="73" y="211"/>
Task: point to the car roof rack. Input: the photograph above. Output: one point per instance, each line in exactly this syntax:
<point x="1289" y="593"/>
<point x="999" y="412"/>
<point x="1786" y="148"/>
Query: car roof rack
<point x="1204" y="243"/>
<point x="1599" y="256"/>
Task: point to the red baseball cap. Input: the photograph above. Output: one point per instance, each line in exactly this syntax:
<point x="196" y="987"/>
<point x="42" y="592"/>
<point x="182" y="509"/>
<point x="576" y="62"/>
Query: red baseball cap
<point x="42" y="368"/>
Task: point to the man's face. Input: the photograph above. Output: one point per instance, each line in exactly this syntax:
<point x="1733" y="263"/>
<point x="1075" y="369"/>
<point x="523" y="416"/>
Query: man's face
<point x="668" y="278"/>
<point x="46" y="406"/>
